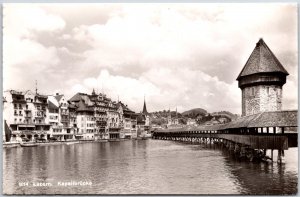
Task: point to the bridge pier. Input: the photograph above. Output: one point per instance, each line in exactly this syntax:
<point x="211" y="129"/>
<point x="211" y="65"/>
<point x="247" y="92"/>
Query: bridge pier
<point x="272" y="155"/>
<point x="280" y="156"/>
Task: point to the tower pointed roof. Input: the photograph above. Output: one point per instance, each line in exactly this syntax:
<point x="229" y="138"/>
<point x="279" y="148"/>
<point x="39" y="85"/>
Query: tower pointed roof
<point x="262" y="60"/>
<point x="144" y="107"/>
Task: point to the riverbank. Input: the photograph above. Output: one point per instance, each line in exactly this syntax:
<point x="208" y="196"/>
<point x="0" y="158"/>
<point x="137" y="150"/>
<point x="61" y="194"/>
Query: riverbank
<point x="69" y="142"/>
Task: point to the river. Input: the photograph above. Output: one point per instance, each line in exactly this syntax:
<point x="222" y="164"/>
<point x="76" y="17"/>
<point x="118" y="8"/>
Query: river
<point x="143" y="167"/>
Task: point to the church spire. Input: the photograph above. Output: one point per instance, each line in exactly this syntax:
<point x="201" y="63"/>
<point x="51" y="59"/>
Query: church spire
<point x="93" y="93"/>
<point x="145" y="108"/>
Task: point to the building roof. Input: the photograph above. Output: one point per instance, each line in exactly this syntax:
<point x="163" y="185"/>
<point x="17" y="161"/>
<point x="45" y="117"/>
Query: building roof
<point x="262" y="60"/>
<point x="58" y="97"/>
<point x="144" y="107"/>
<point x="76" y="97"/>
<point x="83" y="107"/>
<point x="72" y="106"/>
<point x="52" y="105"/>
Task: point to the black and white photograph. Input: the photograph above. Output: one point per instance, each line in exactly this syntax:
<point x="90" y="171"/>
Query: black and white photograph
<point x="150" y="99"/>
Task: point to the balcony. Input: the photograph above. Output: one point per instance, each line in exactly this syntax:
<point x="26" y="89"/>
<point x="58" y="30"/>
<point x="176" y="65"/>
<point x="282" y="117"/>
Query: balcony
<point x="28" y="115"/>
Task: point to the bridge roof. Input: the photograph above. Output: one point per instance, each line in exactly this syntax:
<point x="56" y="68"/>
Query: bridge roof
<point x="286" y="118"/>
<point x="275" y="119"/>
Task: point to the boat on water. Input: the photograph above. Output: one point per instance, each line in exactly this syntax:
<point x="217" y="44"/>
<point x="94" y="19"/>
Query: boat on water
<point x="28" y="144"/>
<point x="10" y="144"/>
<point x="73" y="142"/>
<point x="102" y="140"/>
<point x="114" y="140"/>
<point x="145" y="136"/>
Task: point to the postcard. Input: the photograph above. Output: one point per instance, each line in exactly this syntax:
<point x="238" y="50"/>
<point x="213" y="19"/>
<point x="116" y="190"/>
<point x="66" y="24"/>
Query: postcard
<point x="160" y="99"/>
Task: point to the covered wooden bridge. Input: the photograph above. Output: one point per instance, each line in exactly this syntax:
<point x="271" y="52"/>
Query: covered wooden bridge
<point x="267" y="130"/>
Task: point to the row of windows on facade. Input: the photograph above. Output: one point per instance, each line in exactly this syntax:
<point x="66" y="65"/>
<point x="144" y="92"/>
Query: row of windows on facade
<point x="38" y="107"/>
<point x="88" y="118"/>
<point x="113" y="125"/>
<point x="88" y="125"/>
<point x="103" y="118"/>
<point x="28" y="121"/>
<point x="88" y="130"/>
<point x="56" y="111"/>
<point x="54" y="123"/>
<point x="100" y="109"/>
<point x="38" y="113"/>
<point x="60" y="130"/>
<point x="53" y="117"/>
<point x="64" y="124"/>
<point x="100" y="116"/>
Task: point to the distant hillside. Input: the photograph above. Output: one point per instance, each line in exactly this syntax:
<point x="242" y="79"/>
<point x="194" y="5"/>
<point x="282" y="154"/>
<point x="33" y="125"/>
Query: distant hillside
<point x="194" y="113"/>
<point x="200" y="115"/>
<point x="226" y="114"/>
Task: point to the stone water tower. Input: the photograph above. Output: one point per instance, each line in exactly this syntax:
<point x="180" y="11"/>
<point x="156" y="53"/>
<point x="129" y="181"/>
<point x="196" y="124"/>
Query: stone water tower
<point x="261" y="81"/>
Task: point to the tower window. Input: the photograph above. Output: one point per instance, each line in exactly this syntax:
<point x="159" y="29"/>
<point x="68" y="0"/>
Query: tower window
<point x="268" y="90"/>
<point x="252" y="91"/>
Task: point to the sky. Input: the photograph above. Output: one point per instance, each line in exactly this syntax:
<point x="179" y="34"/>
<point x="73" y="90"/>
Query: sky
<point x="180" y="56"/>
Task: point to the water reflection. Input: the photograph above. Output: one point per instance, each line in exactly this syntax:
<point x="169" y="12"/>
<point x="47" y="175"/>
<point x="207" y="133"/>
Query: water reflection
<point x="144" y="167"/>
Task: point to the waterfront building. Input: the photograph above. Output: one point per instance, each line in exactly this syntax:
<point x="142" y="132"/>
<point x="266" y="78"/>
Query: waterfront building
<point x="59" y="119"/>
<point x="26" y="115"/>
<point x="129" y="121"/>
<point x="107" y="119"/>
<point x="113" y="121"/>
<point x="84" y="116"/>
<point x="261" y="81"/>
<point x="73" y="118"/>
<point x="53" y="114"/>
<point x="100" y="106"/>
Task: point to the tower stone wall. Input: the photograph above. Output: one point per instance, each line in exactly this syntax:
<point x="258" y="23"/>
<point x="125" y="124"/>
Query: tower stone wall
<point x="261" y="98"/>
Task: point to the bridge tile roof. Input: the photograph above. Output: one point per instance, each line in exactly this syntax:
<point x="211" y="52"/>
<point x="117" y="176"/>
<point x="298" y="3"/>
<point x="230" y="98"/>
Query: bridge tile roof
<point x="278" y="119"/>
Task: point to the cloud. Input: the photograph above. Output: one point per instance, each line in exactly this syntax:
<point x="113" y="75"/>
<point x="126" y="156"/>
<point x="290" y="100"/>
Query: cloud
<point x="185" y="89"/>
<point x="24" y="19"/>
<point x="184" y="55"/>
<point x="24" y="58"/>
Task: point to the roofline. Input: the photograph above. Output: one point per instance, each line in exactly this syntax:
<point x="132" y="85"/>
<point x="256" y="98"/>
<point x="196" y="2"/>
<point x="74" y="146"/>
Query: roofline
<point x="261" y="41"/>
